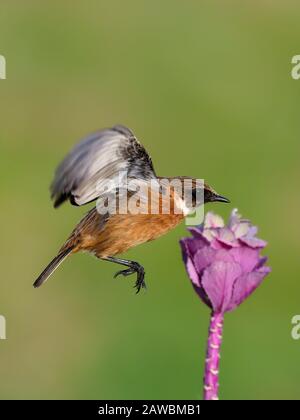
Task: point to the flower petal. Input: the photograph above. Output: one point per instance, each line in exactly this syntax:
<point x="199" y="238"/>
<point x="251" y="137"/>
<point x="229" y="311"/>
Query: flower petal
<point x="198" y="233"/>
<point x="213" y="220"/>
<point x="203" y="258"/>
<point x="209" y="234"/>
<point x="252" y="232"/>
<point x="215" y="244"/>
<point x="188" y="261"/>
<point x="192" y="272"/>
<point x="207" y="255"/>
<point x="261" y="262"/>
<point x="217" y="281"/>
<point x="223" y="255"/>
<point x="191" y="245"/>
<point x="245" y="285"/>
<point x="241" y="229"/>
<point x="234" y="218"/>
<point x="253" y="242"/>
<point x="226" y="237"/>
<point x="246" y="257"/>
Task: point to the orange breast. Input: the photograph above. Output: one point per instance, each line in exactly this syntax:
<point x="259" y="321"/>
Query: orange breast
<point x="122" y="232"/>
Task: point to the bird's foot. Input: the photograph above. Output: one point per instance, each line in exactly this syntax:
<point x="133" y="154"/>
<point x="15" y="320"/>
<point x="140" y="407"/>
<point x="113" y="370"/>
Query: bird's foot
<point x="140" y="281"/>
<point x="124" y="273"/>
<point x="139" y="270"/>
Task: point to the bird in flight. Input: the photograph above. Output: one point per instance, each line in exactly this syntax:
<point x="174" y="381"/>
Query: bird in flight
<point x="112" y="168"/>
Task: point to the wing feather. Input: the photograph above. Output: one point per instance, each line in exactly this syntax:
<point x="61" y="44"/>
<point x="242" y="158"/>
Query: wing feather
<point x="84" y="172"/>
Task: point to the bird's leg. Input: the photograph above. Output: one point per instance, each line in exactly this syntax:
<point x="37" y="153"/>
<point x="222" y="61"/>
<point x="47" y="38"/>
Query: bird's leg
<point x="133" y="267"/>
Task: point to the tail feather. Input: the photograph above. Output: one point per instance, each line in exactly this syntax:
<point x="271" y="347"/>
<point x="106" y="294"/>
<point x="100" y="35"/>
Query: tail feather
<point x="51" y="267"/>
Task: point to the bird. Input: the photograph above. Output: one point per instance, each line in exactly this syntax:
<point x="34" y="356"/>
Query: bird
<point x="112" y="165"/>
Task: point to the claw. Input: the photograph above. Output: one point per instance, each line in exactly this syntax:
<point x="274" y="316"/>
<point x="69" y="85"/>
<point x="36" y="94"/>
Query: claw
<point x="124" y="272"/>
<point x="140" y="285"/>
<point x="134" y="267"/>
<point x="140" y="282"/>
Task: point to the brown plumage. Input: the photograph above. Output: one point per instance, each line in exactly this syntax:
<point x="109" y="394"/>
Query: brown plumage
<point x="107" y="234"/>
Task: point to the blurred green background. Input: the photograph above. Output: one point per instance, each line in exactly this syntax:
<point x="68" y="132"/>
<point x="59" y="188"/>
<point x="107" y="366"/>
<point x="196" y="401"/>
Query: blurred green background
<point x="206" y="86"/>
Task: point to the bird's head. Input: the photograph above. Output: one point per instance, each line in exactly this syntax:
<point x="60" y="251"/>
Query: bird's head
<point x="200" y="193"/>
<point x="189" y="193"/>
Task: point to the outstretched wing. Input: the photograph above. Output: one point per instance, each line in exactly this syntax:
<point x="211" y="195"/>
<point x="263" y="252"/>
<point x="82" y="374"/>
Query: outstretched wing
<point x="96" y="159"/>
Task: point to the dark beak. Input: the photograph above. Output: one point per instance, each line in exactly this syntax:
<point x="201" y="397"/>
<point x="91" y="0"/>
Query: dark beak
<point x="221" y="199"/>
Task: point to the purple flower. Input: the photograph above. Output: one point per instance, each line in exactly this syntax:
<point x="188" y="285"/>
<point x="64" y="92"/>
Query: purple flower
<point x="224" y="262"/>
<point x="225" y="267"/>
